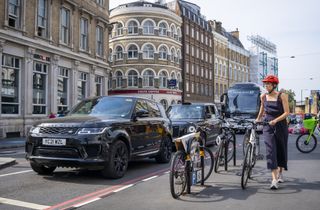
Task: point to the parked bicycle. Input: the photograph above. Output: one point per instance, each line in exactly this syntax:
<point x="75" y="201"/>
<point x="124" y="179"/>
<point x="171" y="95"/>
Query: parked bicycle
<point x="307" y="142"/>
<point x="226" y="146"/>
<point x="191" y="164"/>
<point x="252" y="153"/>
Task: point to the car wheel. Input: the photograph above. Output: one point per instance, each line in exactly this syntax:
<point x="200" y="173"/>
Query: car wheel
<point x="42" y="169"/>
<point x="117" y="165"/>
<point x="165" y="152"/>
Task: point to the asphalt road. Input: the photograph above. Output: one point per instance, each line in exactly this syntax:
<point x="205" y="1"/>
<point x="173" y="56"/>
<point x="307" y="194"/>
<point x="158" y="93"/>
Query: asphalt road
<point x="146" y="186"/>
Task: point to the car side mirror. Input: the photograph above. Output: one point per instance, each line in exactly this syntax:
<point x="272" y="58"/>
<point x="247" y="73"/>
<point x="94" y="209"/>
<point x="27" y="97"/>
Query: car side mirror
<point x="142" y="113"/>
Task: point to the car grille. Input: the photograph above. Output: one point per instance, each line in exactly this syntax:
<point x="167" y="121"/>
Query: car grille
<point x="58" y="130"/>
<point x="56" y="152"/>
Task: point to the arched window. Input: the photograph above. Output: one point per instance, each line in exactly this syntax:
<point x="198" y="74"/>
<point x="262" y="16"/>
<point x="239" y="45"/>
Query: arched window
<point x="173" y="31"/>
<point x="148" y="78"/>
<point x="132" y="52"/>
<point x="119" y="29"/>
<point x="110" y="55"/>
<point x="119" y="79"/>
<point x="148" y="27"/>
<point x="148" y="51"/>
<point x="179" y="79"/>
<point x="178" y="56"/>
<point x="163" y="79"/>
<point x="163" y="29"/>
<point x="163" y="53"/>
<point x="132" y="27"/>
<point x="132" y="79"/>
<point x="110" y="81"/>
<point x="164" y="103"/>
<point x="119" y="53"/>
<point x="173" y="54"/>
<point x="179" y="33"/>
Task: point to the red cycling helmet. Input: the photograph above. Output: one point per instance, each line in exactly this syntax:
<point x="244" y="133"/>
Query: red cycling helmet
<point x="271" y="79"/>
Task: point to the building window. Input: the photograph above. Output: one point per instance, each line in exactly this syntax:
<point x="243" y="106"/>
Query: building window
<point x="173" y="31"/>
<point x="187" y="30"/>
<point x="133" y="52"/>
<point x="132" y="27"/>
<point x="82" y="86"/>
<point x="197" y="35"/>
<point x="148" y="27"/>
<point x="178" y="57"/>
<point x="216" y="69"/>
<point x="198" y="53"/>
<point x="110" y="81"/>
<point x="98" y="81"/>
<point x="163" y="53"/>
<point x="187" y="86"/>
<point x="119" y="78"/>
<point x="202" y="89"/>
<point x="201" y="38"/>
<point x="42" y="18"/>
<point x="162" y="29"/>
<point x="110" y="55"/>
<point x="197" y="88"/>
<point x="148" y="78"/>
<point x="173" y="54"/>
<point x="99" y="41"/>
<point x="40" y="71"/>
<point x="84" y="34"/>
<point x="192" y="69"/>
<point x="119" y="29"/>
<point x="10" y="84"/>
<point x="163" y="77"/>
<point x="192" y="50"/>
<point x="197" y="70"/>
<point x="192" y="32"/>
<point x="192" y="87"/>
<point x="202" y="72"/>
<point x="187" y="67"/>
<point x="187" y="49"/>
<point x="100" y="2"/>
<point x="148" y="52"/>
<point x="65" y="26"/>
<point x="217" y="90"/>
<point x="63" y="92"/>
<point x="132" y="79"/>
<point x="119" y="53"/>
<point x="210" y="75"/>
<point x="14" y="7"/>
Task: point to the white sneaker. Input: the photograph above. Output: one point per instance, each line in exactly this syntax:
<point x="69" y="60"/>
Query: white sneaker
<point x="274" y="185"/>
<point x="280" y="178"/>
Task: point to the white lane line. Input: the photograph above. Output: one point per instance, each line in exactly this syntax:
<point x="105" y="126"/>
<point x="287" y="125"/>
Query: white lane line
<point x="20" y="172"/>
<point x="87" y="202"/>
<point x="22" y="204"/>
<point x="147" y="179"/>
<point x="123" y="188"/>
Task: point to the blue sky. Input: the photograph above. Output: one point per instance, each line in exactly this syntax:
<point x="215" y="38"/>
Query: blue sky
<point x="293" y="25"/>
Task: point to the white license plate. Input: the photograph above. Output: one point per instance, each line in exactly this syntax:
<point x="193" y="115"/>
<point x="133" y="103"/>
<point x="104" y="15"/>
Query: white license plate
<point x="54" y="142"/>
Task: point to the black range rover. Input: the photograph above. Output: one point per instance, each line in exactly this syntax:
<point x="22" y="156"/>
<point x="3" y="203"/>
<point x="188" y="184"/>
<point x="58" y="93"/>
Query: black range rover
<point x="186" y="117"/>
<point x="102" y="133"/>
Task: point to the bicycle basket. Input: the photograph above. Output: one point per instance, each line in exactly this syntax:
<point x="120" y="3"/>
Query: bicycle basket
<point x="310" y="123"/>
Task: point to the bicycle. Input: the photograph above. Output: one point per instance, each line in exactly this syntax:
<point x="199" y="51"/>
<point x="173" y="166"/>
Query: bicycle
<point x="191" y="164"/>
<point x="252" y="152"/>
<point x="307" y="142"/>
<point x="226" y="146"/>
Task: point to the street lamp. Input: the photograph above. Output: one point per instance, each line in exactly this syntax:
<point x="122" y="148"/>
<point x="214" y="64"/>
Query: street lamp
<point x="301" y="94"/>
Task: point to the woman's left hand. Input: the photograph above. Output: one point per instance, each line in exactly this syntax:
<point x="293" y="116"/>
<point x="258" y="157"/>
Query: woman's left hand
<point x="272" y="123"/>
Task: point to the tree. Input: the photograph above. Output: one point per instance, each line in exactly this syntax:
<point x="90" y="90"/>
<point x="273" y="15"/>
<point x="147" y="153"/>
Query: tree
<point x="291" y="95"/>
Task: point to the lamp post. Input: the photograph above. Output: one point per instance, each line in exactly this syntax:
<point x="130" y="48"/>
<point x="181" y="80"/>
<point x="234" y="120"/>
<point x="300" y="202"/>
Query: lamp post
<point x="301" y="94"/>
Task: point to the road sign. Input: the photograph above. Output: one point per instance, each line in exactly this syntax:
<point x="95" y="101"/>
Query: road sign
<point x="172" y="83"/>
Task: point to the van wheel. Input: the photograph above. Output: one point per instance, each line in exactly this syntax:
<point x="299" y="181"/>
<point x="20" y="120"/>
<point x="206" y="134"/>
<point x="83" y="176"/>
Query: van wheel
<point x="165" y="153"/>
<point x="42" y="169"/>
<point x="117" y="165"/>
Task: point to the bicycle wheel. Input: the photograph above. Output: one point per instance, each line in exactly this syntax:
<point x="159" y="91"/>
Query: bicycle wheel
<point x="246" y="167"/>
<point x="246" y="139"/>
<point x="178" y="172"/>
<point x="232" y="140"/>
<point x="303" y="145"/>
<point x="219" y="157"/>
<point x="208" y="163"/>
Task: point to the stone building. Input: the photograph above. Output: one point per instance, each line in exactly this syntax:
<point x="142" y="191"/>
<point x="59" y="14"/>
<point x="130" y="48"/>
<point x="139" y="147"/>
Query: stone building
<point x="52" y="55"/>
<point x="145" y="52"/>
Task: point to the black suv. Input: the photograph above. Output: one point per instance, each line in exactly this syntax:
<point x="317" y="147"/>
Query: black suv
<point x="101" y="133"/>
<point x="186" y="117"/>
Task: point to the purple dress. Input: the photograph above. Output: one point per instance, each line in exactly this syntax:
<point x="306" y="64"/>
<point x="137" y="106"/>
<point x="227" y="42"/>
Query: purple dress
<point x="275" y="137"/>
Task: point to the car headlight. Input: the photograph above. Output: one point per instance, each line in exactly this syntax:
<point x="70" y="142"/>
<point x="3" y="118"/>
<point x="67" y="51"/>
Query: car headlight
<point x="35" y="130"/>
<point x="191" y="129"/>
<point x="92" y="130"/>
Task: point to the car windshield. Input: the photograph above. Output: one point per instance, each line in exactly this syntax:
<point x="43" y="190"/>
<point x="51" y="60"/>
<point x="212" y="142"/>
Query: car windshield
<point x="243" y="101"/>
<point x="111" y="107"/>
<point x="185" y="112"/>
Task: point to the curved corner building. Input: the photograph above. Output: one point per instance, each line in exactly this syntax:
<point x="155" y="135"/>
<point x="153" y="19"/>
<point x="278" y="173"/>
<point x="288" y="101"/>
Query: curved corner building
<point x="145" y="52"/>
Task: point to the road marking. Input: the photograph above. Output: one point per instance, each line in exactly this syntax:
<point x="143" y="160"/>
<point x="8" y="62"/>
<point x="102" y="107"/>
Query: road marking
<point x="103" y="192"/>
<point x="147" y="179"/>
<point x="22" y="204"/>
<point x="85" y="203"/>
<point x="20" y="172"/>
<point x="123" y="188"/>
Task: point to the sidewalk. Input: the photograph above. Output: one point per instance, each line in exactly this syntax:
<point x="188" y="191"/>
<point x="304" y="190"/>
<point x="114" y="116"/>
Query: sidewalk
<point x="6" y="162"/>
<point x="9" y="143"/>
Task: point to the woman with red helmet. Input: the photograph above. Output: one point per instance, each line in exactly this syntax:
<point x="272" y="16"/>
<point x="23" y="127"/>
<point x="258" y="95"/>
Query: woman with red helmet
<point x="275" y="109"/>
